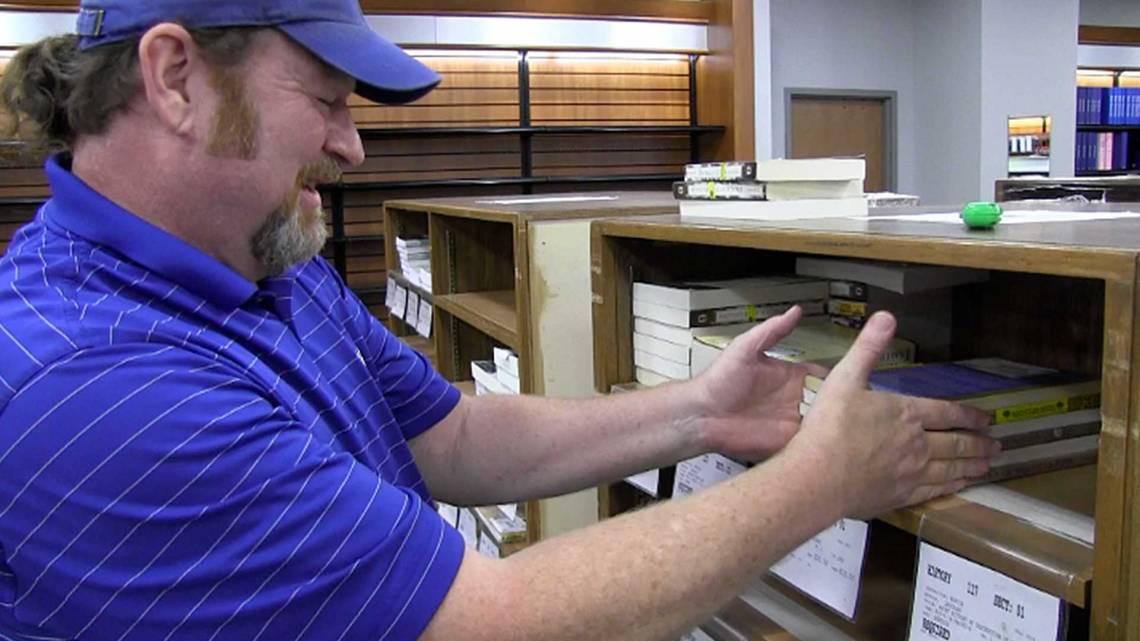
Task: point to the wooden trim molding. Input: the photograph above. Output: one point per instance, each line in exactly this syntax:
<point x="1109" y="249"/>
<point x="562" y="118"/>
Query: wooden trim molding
<point x="681" y="10"/>
<point x="726" y="82"/>
<point x="1098" y="35"/>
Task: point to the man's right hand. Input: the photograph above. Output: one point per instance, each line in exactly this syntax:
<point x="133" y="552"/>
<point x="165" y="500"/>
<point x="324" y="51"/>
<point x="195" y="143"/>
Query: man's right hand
<point x="885" y="451"/>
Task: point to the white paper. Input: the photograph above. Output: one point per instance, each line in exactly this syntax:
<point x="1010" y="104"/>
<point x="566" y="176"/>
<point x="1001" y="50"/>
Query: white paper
<point x="413" y="312"/>
<point x="450" y="513"/>
<point x="696" y="634"/>
<point x="509" y="510"/>
<point x="1011" y="217"/>
<point x="487" y="546"/>
<point x="390" y="294"/>
<point x="423" y="319"/>
<point x="546" y="199"/>
<point x="959" y="600"/>
<point x="648" y="481"/>
<point x="695" y="474"/>
<point x="828" y="568"/>
<point x="1040" y="513"/>
<point x="468" y="527"/>
<point x="400" y="304"/>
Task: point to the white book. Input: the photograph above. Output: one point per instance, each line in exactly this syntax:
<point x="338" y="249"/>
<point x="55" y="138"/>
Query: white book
<point x="684" y="335"/>
<point x="506" y="359"/>
<point x="724" y="315"/>
<point x="808" y="189"/>
<point x="407" y="243"/>
<point x="901" y="278"/>
<point x="650" y="378"/>
<point x="712" y="294"/>
<point x="510" y="381"/>
<point x="671" y="351"/>
<point x="484" y="374"/>
<point x="807" y="208"/>
<point x="810" y="169"/>
<point x="662" y="366"/>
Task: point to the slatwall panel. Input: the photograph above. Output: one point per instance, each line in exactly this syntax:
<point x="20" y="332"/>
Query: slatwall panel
<point x="476" y="91"/>
<point x="611" y="154"/>
<point x="567" y="90"/>
<point x="12" y="217"/>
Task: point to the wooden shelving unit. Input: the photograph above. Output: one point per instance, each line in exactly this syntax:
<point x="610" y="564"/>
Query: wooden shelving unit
<point x="1060" y="295"/>
<point x="513" y="271"/>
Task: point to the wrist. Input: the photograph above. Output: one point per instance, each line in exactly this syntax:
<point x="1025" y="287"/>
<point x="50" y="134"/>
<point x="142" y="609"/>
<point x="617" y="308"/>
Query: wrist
<point x="692" y="411"/>
<point x="820" y="474"/>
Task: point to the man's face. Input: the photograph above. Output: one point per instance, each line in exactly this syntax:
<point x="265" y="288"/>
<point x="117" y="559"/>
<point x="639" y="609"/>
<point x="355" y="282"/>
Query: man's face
<point x="243" y="128"/>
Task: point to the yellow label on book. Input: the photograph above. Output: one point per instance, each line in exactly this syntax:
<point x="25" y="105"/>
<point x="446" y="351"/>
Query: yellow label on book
<point x="1040" y="409"/>
<point x="847" y="307"/>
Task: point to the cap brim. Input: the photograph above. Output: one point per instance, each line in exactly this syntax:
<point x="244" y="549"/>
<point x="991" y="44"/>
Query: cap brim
<point x="384" y="72"/>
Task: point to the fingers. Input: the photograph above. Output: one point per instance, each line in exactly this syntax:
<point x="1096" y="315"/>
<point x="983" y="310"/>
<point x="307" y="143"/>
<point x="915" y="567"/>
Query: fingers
<point x="865" y="352"/>
<point x="951" y="445"/>
<point x="945" y="415"/>
<point x="771" y="331"/>
<point x="924" y="493"/>
<point x="945" y="471"/>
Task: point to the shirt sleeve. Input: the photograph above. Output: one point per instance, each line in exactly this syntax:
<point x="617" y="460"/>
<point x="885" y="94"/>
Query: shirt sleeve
<point x="418" y="396"/>
<point x="153" y="493"/>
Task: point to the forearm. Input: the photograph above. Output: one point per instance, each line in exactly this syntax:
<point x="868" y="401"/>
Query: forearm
<point x="652" y="573"/>
<point x="517" y="447"/>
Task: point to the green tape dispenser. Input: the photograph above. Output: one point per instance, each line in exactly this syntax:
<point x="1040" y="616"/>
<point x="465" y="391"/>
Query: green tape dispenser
<point x="981" y="215"/>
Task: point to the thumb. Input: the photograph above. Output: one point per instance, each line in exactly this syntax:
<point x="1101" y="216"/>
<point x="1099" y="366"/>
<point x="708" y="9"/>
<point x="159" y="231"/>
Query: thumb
<point x="865" y="352"/>
<point x="762" y="337"/>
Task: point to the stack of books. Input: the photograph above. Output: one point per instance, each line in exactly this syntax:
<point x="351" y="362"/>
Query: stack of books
<point x="919" y="296"/>
<point x="415" y="261"/>
<point x="782" y="189"/>
<point x="667" y="317"/>
<point x="498" y="376"/>
<point x="1045" y="419"/>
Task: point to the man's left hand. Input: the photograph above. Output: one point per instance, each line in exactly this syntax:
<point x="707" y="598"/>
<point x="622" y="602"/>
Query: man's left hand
<point x="751" y="401"/>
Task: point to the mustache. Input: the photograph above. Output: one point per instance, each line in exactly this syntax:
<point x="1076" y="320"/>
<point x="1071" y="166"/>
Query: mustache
<point x="322" y="172"/>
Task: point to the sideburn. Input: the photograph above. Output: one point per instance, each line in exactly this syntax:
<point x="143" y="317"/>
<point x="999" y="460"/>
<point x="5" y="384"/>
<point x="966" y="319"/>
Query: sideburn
<point x="234" y="132"/>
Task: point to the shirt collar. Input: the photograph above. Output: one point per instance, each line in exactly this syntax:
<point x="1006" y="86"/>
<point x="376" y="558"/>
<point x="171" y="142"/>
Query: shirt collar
<point x="78" y="208"/>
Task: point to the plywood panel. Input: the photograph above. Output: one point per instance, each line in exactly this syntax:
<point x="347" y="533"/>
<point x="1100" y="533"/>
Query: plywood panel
<point x="841" y="127"/>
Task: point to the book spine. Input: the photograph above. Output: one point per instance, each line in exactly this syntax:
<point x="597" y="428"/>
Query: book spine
<point x="1038" y="437"/>
<point x="1041" y="466"/>
<point x="735" y="170"/>
<point x="749" y="313"/>
<point x="1026" y="411"/>
<point x="716" y="190"/>
<point x="848" y="289"/>
<point x="842" y="307"/>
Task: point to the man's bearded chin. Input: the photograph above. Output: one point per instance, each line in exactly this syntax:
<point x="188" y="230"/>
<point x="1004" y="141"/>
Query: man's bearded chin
<point x="291" y="236"/>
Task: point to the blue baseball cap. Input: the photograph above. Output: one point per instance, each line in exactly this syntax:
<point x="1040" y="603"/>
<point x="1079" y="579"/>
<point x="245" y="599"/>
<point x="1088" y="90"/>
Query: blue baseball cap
<point x="333" y="30"/>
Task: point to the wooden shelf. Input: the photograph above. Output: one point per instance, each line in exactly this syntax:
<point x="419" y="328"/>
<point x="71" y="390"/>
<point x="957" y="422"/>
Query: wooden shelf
<point x="1108" y="127"/>
<point x="1047" y="560"/>
<point x="492" y="313"/>
<point x="1086" y="270"/>
<point x="418" y="132"/>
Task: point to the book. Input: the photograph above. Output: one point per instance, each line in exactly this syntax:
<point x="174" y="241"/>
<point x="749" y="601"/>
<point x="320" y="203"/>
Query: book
<point x="733" y="170"/>
<point x="901" y="278"/>
<point x="791" y="190"/>
<point x="650" y="378"/>
<point x="670" y="351"/>
<point x="721" y="316"/>
<point x="484" y="374"/>
<point x="684" y="335"/>
<point x="1041" y="458"/>
<point x="661" y="366"/>
<point x="813" y="341"/>
<point x="806" y="208"/>
<point x="1008" y="390"/>
<point x="810" y="169"/>
<point x="710" y="294"/>
<point x="506" y="359"/>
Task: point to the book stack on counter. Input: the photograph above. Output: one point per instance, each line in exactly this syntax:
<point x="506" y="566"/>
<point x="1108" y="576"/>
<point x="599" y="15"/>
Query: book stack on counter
<point x="498" y="376"/>
<point x="415" y="261"/>
<point x="1045" y="419"/>
<point x="781" y="189"/>
<point x="667" y="317"/>
<point x="919" y="296"/>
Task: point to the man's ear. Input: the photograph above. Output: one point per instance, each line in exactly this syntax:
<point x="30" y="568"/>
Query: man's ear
<point x="168" y="62"/>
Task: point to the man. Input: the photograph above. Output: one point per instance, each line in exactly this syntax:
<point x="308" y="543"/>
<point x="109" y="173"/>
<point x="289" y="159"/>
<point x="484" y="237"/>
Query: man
<point x="204" y="435"/>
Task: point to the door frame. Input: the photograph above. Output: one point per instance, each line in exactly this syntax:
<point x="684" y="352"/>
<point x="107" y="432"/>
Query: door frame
<point x="890" y="122"/>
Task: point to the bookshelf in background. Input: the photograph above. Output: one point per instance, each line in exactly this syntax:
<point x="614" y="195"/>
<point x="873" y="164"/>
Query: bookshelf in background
<point x="1108" y="122"/>
<point x="1029" y="139"/>
<point x="512" y="273"/>
<point x="1060" y="296"/>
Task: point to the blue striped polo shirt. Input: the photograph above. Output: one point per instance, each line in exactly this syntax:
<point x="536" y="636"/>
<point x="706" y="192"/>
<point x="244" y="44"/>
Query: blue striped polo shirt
<point x="188" y="455"/>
